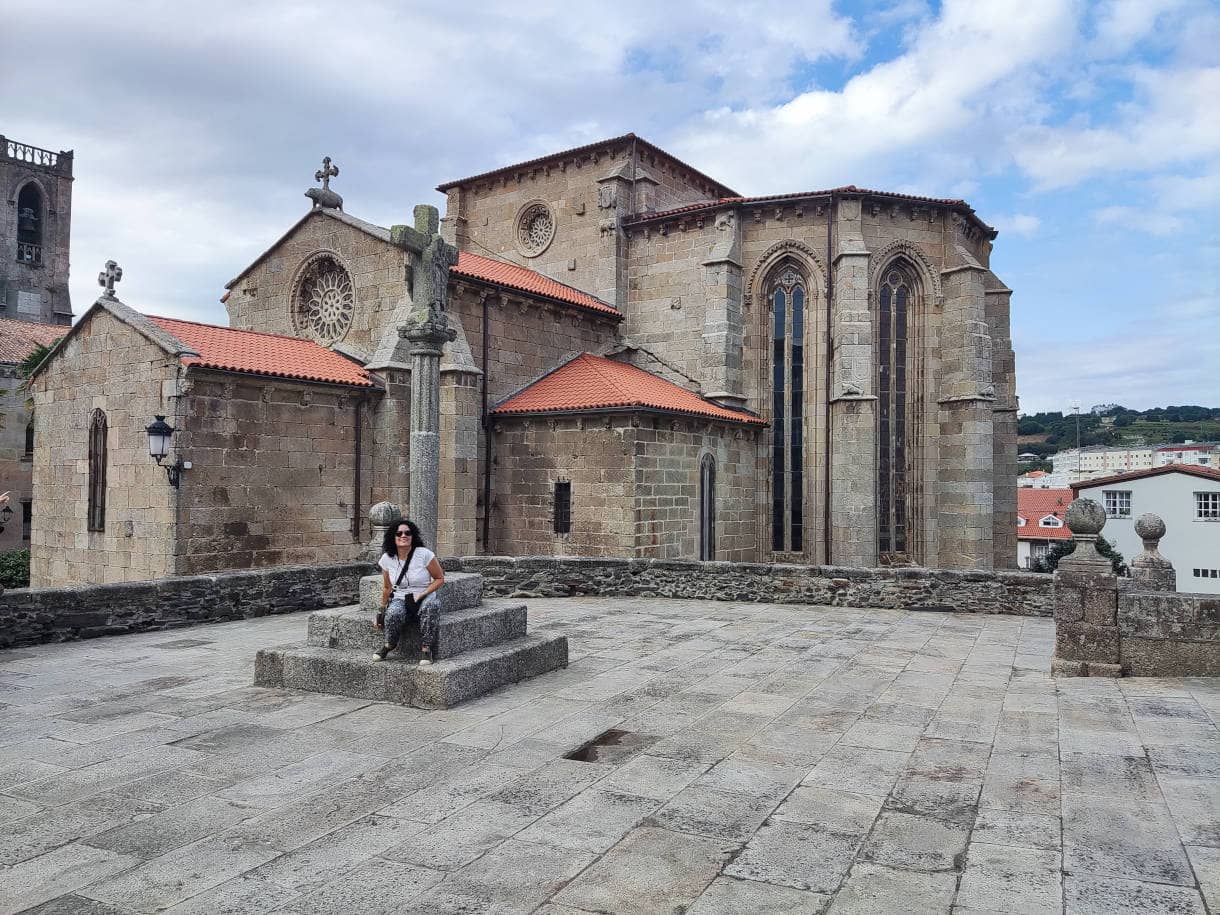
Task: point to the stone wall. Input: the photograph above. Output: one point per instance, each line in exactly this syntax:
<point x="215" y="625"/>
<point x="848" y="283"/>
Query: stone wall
<point x="525" y="338"/>
<point x="595" y="456"/>
<point x="273" y="475"/>
<point x="667" y="456"/>
<point x="108" y="366"/>
<point x="1163" y="634"/>
<point x="29" y="616"/>
<point x="16" y="464"/>
<point x="261" y="299"/>
<point x="1019" y="593"/>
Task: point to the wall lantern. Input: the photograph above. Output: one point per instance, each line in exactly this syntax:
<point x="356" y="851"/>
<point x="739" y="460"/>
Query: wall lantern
<point x="159" y="434"/>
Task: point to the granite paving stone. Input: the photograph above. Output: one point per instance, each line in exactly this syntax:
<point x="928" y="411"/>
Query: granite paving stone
<point x="1086" y="894"/>
<point x="731" y="896"/>
<point x="873" y="889"/>
<point x="806" y="759"/>
<point x="651" y="870"/>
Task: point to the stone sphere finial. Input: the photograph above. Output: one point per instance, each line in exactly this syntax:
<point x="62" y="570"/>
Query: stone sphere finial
<point x="383" y="514"/>
<point x="1085" y="516"/>
<point x="1149" y="526"/>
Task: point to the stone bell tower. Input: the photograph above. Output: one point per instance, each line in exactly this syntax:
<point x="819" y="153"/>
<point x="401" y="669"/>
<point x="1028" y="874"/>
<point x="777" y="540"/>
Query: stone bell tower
<point x="35" y="227"/>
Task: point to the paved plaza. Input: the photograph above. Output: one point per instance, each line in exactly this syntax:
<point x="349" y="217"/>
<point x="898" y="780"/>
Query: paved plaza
<point x="776" y="759"/>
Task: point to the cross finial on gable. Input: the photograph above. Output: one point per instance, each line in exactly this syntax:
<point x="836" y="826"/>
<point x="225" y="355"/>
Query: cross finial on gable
<point x="108" y="277"/>
<point x="326" y="172"/>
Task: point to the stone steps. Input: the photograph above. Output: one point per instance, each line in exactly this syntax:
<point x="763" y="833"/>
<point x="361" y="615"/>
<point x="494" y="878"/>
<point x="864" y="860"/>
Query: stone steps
<point x="351" y="628"/>
<point x="461" y="591"/>
<point x="441" y="685"/>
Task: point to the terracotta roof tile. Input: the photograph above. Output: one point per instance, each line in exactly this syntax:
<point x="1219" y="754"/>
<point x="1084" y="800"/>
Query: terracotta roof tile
<point x="1035" y="504"/>
<point x="1194" y="470"/>
<point x="263" y="354"/>
<point x="591" y="382"/>
<point x="478" y="267"/>
<point x="18" y="338"/>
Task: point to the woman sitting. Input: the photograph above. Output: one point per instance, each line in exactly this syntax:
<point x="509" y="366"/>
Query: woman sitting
<point x="410" y="577"/>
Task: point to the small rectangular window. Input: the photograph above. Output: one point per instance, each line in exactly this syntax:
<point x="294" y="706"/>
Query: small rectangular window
<point x="1207" y="506"/>
<point x="27" y="516"/>
<point x="1118" y="503"/>
<point x="563" y="507"/>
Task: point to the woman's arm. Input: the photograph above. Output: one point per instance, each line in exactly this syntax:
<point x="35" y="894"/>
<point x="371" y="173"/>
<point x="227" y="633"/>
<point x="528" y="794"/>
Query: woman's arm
<point x="438" y="578"/>
<point x="386" y="587"/>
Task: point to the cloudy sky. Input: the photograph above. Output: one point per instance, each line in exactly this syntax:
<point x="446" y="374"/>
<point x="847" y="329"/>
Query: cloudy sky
<point x="1087" y="133"/>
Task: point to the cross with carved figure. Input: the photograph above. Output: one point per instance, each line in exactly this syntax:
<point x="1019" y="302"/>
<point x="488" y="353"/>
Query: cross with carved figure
<point x="108" y="277"/>
<point x="325" y="173"/>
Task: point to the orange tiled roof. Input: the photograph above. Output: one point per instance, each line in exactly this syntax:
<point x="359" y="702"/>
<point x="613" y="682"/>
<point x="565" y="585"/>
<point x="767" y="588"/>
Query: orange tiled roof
<point x="1035" y="504"/>
<point x="18" y="338"/>
<point x="478" y="267"/>
<point x="263" y="354"/>
<point x="591" y="382"/>
<point x="1194" y="470"/>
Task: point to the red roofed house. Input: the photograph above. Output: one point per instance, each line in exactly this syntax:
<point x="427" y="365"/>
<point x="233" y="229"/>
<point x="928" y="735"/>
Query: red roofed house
<point x="1040" y="522"/>
<point x="646" y="364"/>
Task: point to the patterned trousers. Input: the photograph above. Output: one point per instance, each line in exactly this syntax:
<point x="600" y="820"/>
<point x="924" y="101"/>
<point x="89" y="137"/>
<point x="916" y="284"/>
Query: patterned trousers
<point x="403" y="610"/>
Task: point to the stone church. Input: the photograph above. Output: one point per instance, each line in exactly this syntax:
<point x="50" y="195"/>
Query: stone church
<point x="644" y="363"/>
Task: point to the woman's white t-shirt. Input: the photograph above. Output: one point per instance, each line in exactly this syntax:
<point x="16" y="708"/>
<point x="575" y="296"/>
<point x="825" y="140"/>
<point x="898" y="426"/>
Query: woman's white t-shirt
<point x="417" y="578"/>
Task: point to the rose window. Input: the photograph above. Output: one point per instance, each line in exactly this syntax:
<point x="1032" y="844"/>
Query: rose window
<point x="324" y="301"/>
<point x="535" y="229"/>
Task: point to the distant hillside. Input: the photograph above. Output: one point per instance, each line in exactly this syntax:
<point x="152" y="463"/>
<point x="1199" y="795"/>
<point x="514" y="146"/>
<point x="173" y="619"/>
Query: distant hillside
<point x="1049" y="433"/>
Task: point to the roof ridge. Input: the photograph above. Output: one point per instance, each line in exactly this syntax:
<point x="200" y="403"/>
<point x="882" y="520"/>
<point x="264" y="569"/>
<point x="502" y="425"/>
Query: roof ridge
<point x="611" y="383"/>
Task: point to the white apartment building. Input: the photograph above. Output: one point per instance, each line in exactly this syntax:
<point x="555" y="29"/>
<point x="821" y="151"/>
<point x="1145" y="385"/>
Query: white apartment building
<point x="1199" y="454"/>
<point x="1187" y="497"/>
<point x="1097" y="460"/>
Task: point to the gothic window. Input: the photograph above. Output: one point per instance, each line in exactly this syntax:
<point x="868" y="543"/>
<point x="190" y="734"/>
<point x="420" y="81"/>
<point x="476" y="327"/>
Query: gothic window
<point x="893" y="494"/>
<point x="29" y="225"/>
<point x="707" y="508"/>
<point x="97" y="471"/>
<point x="535" y="228"/>
<point x="787" y="297"/>
<point x="324" y="300"/>
<point x="29" y="437"/>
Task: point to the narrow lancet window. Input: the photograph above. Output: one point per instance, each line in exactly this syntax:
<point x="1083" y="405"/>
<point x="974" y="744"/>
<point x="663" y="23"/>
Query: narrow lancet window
<point x="707" y="508"/>
<point x="97" y="471"/>
<point x="787" y="297"/>
<point x="892" y="489"/>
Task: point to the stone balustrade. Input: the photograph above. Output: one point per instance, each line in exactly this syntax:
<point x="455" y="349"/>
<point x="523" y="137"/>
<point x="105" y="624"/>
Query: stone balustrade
<point x="1143" y="629"/>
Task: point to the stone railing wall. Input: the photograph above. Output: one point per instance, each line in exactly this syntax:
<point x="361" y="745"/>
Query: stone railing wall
<point x="1141" y="629"/>
<point x="29" y="616"/>
<point x="1021" y="593"/>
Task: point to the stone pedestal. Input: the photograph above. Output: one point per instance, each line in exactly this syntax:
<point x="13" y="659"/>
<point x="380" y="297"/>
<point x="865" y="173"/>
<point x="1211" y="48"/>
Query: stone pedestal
<point x="1150" y="571"/>
<point x="1086" y="602"/>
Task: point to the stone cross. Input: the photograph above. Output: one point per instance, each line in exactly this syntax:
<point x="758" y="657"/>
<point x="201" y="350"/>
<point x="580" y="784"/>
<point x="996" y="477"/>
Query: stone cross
<point x="108" y="277"/>
<point x="326" y="172"/>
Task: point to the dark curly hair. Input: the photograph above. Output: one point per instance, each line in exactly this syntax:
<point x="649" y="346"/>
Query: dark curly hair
<point x="390" y="548"/>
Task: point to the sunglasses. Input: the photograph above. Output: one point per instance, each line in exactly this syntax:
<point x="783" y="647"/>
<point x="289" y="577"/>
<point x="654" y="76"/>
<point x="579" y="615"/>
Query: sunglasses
<point x="402" y="533"/>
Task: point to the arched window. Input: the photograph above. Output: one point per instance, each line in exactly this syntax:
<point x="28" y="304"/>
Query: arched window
<point x="97" y="471"/>
<point x="29" y="224"/>
<point x="29" y="436"/>
<point x="893" y="491"/>
<point x="707" y="508"/>
<point x="786" y="293"/>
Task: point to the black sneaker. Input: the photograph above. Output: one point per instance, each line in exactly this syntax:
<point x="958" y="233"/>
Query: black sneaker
<point x="381" y="653"/>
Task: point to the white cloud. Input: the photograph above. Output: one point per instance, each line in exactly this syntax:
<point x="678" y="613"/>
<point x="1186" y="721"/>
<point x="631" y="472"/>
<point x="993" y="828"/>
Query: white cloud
<point x="1023" y="224"/>
<point x="1138" y="220"/>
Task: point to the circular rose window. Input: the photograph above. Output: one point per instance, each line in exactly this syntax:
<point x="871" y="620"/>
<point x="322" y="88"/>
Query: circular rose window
<point x="535" y="228"/>
<point x="324" y="301"/>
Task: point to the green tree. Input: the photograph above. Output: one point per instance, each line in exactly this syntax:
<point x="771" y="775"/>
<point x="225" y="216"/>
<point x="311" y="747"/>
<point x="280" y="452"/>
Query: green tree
<point x="1030" y="427"/>
<point x="1050" y="562"/>
<point x="33" y="359"/>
